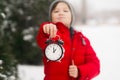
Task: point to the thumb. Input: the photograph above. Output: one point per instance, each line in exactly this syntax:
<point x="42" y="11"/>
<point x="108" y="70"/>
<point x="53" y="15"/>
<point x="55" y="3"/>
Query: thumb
<point x="73" y="62"/>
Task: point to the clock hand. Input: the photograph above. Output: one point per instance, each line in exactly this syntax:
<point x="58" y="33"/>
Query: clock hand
<point x="54" y="50"/>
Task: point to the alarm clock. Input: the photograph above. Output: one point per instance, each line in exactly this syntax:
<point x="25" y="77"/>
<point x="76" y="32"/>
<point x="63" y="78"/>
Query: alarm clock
<point x="54" y="50"/>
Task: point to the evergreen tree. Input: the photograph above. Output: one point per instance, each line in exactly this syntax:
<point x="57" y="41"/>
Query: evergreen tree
<point x="19" y="23"/>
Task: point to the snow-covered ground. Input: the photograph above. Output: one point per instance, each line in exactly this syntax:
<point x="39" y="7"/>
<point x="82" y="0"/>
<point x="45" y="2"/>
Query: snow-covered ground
<point x="27" y="72"/>
<point x="105" y="40"/>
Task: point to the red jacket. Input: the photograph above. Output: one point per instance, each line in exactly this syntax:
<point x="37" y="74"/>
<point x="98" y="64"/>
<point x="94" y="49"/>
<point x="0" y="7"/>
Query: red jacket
<point x="78" y="48"/>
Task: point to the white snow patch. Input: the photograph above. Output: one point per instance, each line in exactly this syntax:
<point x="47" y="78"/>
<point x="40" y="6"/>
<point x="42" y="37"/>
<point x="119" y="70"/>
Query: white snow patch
<point x="28" y="72"/>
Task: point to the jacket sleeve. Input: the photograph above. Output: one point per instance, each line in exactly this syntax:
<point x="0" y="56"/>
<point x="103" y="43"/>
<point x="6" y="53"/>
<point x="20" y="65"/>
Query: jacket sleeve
<point x="91" y="68"/>
<point x="41" y="37"/>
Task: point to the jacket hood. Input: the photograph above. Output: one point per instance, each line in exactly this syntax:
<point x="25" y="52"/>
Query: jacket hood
<point x="70" y="6"/>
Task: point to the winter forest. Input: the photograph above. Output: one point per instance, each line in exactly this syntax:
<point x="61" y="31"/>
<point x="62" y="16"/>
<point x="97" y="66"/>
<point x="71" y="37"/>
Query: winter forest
<point x="19" y="24"/>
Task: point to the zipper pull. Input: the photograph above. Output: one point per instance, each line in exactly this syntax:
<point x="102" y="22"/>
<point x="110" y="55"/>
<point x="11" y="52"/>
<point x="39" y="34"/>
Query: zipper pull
<point x="83" y="41"/>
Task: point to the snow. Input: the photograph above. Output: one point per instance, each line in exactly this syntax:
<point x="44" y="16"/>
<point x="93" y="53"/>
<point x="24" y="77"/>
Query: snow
<point x="105" y="40"/>
<point x="29" y="72"/>
<point x="3" y="15"/>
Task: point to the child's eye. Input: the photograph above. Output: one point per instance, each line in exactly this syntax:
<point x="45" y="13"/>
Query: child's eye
<point x="65" y="10"/>
<point x="56" y="11"/>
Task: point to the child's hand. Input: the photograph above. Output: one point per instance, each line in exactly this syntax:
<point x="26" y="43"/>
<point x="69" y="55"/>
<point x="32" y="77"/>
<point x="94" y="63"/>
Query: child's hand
<point x="73" y="70"/>
<point x="50" y="29"/>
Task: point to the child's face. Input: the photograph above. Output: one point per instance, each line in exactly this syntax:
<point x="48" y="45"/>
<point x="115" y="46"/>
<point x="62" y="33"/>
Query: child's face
<point x="62" y="13"/>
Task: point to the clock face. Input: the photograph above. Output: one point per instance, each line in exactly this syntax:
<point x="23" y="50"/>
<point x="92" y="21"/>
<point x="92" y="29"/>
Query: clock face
<point x="54" y="52"/>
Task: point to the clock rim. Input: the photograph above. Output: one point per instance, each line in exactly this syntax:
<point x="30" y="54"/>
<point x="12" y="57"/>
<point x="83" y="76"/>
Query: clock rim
<point x="59" y="57"/>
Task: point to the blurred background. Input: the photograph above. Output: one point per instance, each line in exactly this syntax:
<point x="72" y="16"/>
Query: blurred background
<point x="21" y="58"/>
